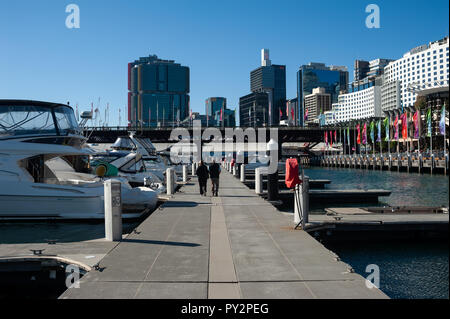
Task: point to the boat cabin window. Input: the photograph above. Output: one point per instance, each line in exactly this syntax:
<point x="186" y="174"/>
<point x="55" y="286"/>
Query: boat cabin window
<point x="35" y="167"/>
<point x="133" y="167"/>
<point x="66" y="121"/>
<point x="20" y="120"/>
<point x="26" y="120"/>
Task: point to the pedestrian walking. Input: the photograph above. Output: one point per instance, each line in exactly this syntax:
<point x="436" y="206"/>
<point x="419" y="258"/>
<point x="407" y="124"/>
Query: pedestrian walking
<point x="202" y="174"/>
<point x="214" y="173"/>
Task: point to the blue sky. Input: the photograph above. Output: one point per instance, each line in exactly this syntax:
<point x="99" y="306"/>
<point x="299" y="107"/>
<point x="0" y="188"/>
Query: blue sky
<point x="219" y="40"/>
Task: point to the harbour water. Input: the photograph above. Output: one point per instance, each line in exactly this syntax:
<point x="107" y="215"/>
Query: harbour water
<point x="408" y="189"/>
<point x="60" y="232"/>
<point x="408" y="270"/>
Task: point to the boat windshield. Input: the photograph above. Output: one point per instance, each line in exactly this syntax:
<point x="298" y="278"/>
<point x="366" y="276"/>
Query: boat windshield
<point x="21" y="120"/>
<point x="66" y="121"/>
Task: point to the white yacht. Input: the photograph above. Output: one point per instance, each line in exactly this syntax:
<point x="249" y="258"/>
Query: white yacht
<point x="153" y="162"/>
<point x="129" y="165"/>
<point x="34" y="135"/>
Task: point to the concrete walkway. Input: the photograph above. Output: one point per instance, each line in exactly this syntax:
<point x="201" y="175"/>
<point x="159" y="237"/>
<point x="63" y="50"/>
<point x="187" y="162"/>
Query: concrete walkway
<point x="233" y="246"/>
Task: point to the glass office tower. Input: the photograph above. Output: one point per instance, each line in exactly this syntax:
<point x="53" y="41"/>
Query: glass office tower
<point x="157" y="92"/>
<point x="271" y="79"/>
<point x="314" y="75"/>
<point x="254" y="110"/>
<point x="213" y="105"/>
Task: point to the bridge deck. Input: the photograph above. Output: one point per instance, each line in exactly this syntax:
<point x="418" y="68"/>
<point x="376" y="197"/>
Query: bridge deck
<point x="233" y="246"/>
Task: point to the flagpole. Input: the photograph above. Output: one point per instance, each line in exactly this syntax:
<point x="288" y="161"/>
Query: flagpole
<point x="344" y="145"/>
<point x="381" y="139"/>
<point x="389" y="138"/>
<point x="431" y="129"/>
<point x="398" y="137"/>
<point x="373" y="141"/>
<point x="418" y="118"/>
<point x="445" y="141"/>
<point x="408" y="144"/>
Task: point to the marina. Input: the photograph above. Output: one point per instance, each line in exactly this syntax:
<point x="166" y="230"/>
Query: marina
<point x="208" y="247"/>
<point x="170" y="242"/>
<point x="280" y="168"/>
<point x="198" y="247"/>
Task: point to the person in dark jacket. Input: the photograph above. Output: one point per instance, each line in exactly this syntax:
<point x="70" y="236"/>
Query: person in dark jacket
<point x="214" y="173"/>
<point x="202" y="174"/>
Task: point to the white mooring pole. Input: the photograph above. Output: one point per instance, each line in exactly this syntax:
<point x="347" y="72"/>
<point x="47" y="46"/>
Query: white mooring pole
<point x="242" y="177"/>
<point x="258" y="181"/>
<point x="113" y="210"/>
<point x="185" y="174"/>
<point x="170" y="181"/>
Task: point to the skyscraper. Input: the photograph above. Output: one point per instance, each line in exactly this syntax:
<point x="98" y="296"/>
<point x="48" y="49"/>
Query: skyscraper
<point x="213" y="105"/>
<point x="271" y="79"/>
<point x="333" y="79"/>
<point x="360" y="70"/>
<point x="157" y="92"/>
<point x="254" y="110"/>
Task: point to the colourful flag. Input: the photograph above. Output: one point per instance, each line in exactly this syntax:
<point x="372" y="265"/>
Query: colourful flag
<point x="358" y="139"/>
<point x="221" y="114"/>
<point x="396" y="128"/>
<point x="331" y="139"/>
<point x="416" y="124"/>
<point x="287" y="108"/>
<point x="335" y="136"/>
<point x="386" y="127"/>
<point x="326" y="137"/>
<point x="345" y="135"/>
<point x="379" y="131"/>
<point x="442" y="121"/>
<point x="306" y="114"/>
<point x="292" y="113"/>
<point x="372" y="131"/>
<point x="281" y="113"/>
<point x="364" y="135"/>
<point x="429" y="122"/>
<point x="404" y="126"/>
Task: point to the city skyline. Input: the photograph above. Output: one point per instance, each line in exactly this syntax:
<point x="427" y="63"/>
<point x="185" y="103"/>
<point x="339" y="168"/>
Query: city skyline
<point x="58" y="64"/>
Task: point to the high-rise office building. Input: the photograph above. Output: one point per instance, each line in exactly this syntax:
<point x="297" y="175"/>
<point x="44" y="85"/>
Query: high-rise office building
<point x="362" y="103"/>
<point x="334" y="79"/>
<point x="271" y="79"/>
<point x="224" y="118"/>
<point x="426" y="66"/>
<point x="292" y="109"/>
<point x="317" y="103"/>
<point x="360" y="70"/>
<point x="254" y="110"/>
<point x="157" y="92"/>
<point x="212" y="105"/>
